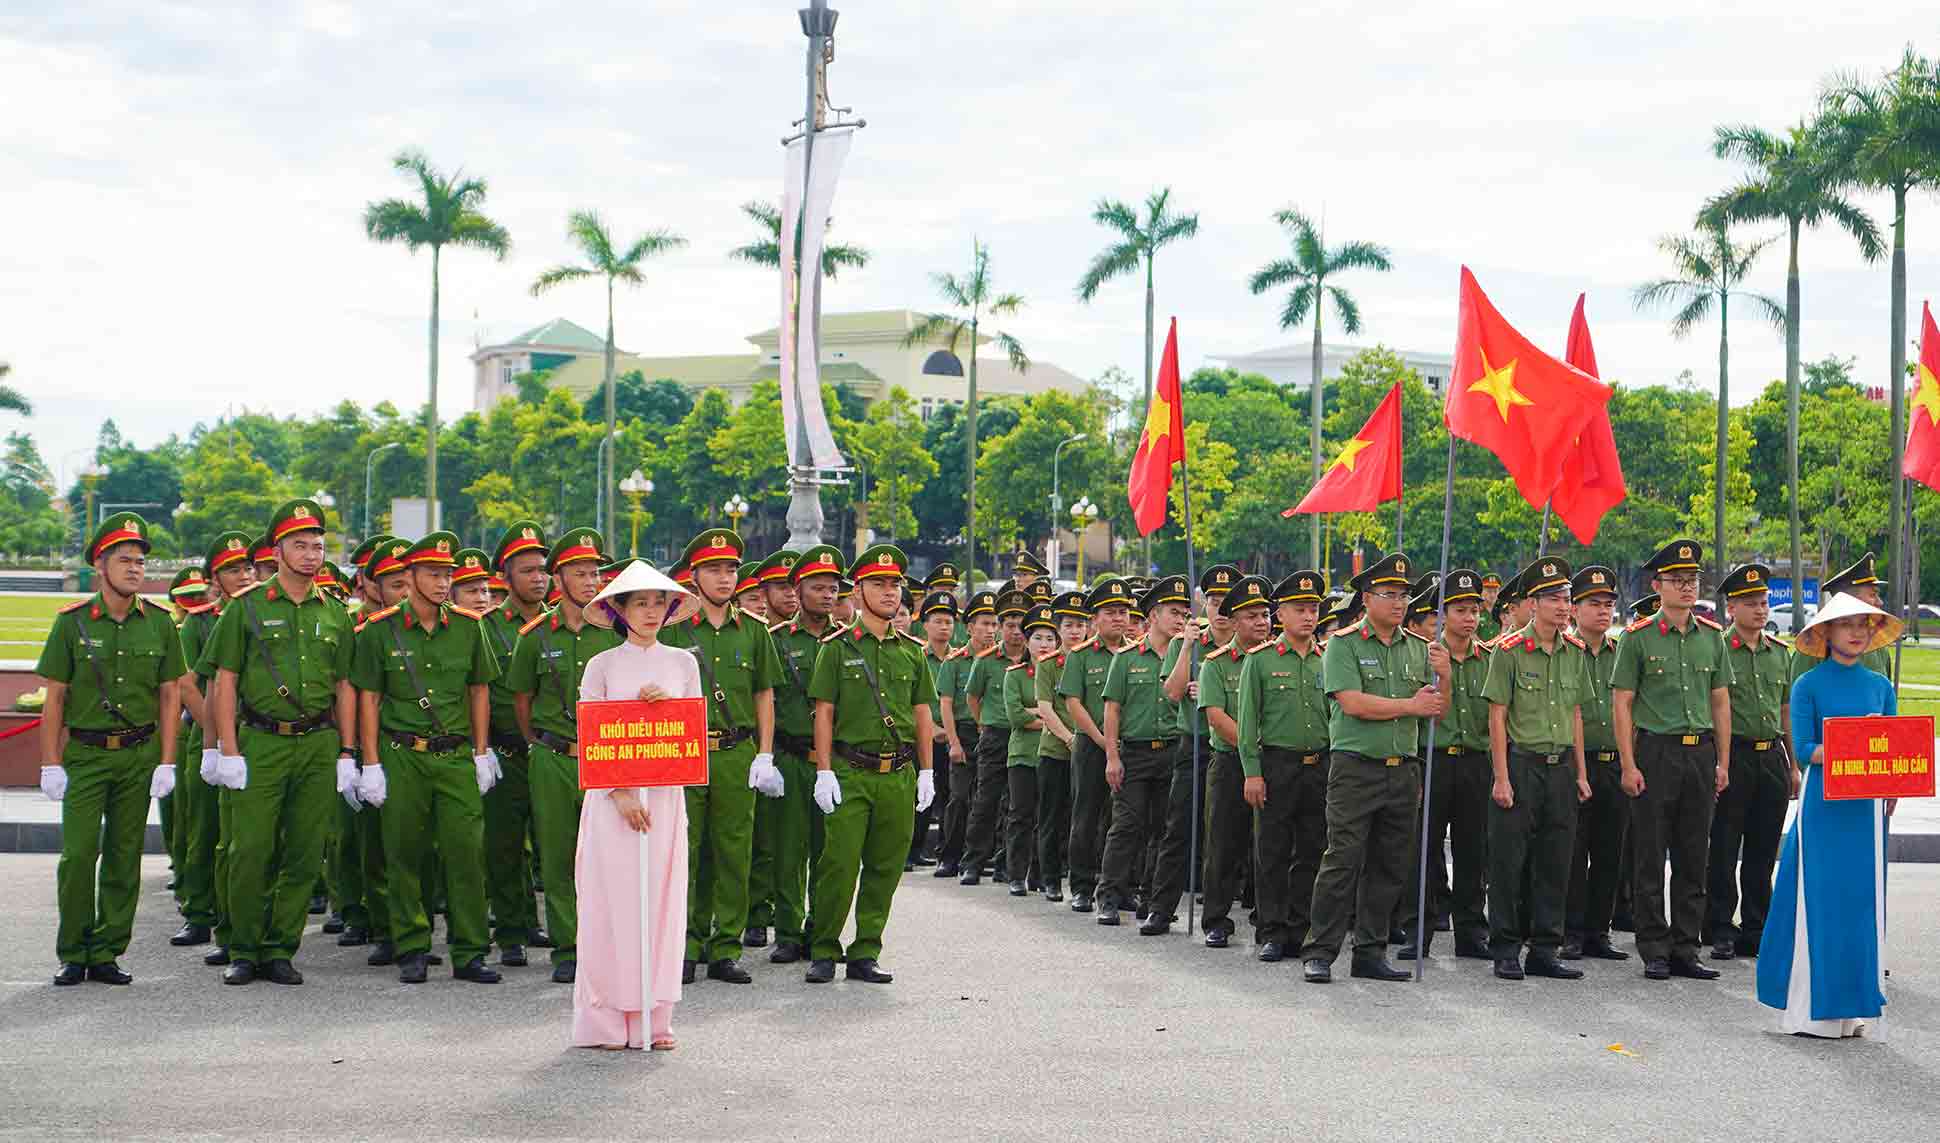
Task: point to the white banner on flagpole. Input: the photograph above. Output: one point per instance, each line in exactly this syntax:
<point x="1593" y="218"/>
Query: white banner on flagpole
<point x="831" y="148"/>
<point x="791" y="209"/>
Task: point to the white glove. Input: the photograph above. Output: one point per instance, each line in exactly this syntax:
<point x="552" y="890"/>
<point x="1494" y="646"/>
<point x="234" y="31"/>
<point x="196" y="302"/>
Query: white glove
<point x="209" y="769"/>
<point x="370" y="784"/>
<point x="163" y="782"/>
<point x="828" y="791"/>
<point x="925" y="789"/>
<point x="347" y="782"/>
<point x="498" y="771"/>
<point x="763" y="776"/>
<point x="487" y="765"/>
<point x="232" y="771"/>
<point x="53" y="782"/>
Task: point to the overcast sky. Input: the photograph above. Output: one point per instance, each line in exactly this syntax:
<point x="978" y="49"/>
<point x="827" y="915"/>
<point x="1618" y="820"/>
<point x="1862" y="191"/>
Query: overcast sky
<point x="182" y="183"/>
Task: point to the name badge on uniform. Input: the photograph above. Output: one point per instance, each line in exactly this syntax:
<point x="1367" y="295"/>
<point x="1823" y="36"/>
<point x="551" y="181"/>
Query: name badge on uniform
<point x="1370" y="662"/>
<point x="852" y="662"/>
<point x="272" y="623"/>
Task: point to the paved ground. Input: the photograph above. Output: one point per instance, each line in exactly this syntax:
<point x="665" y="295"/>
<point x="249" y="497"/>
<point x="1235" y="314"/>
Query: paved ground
<point x="1009" y="1019"/>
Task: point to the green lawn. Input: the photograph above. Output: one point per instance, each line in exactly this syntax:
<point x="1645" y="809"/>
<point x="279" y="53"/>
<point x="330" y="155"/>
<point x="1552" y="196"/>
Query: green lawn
<point x="1920" y="665"/>
<point x="25" y="621"/>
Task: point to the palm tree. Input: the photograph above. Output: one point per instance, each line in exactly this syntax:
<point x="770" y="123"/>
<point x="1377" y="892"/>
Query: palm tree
<point x="766" y="250"/>
<point x="1888" y="136"/>
<point x="1709" y="270"/>
<point x="1793" y="180"/>
<point x="589" y="232"/>
<point x="971" y="299"/>
<point x="13" y="400"/>
<point x="1308" y="270"/>
<point x="447" y="215"/>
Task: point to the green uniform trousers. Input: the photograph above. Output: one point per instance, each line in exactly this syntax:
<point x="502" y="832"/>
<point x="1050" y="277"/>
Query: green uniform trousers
<point x="1090" y="815"/>
<point x="280" y="818"/>
<point x="508" y="874"/>
<point x="1750" y="817"/>
<point x="225" y="828"/>
<point x="198" y="824"/>
<point x="361" y="894"/>
<point x="1597" y="867"/>
<point x="796" y="834"/>
<point x="1138" y="812"/>
<point x="1370" y="821"/>
<point x="1673" y="815"/>
<point x="720" y="846"/>
<point x="1053" y="816"/>
<point x="434" y="798"/>
<point x="1529" y="855"/>
<point x="1289" y="838"/>
<point x="862" y="860"/>
<point x="1228" y="840"/>
<point x="173" y="810"/>
<point x="988" y="798"/>
<point x="554" y="781"/>
<point x="761" y="859"/>
<point x="104" y="819"/>
<point x="1458" y="809"/>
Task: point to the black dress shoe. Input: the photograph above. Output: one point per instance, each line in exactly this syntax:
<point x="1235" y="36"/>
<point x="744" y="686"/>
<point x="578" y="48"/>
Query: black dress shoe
<point x="541" y="939"/>
<point x="1156" y="925"/>
<point x="868" y="971"/>
<point x="110" y="973"/>
<point x="1272" y="952"/>
<point x="1218" y="937"/>
<point x="1399" y="937"/>
<point x="71" y="974"/>
<point x="1080" y="903"/>
<point x="1108" y="915"/>
<point x="1724" y="948"/>
<point x="1140" y="910"/>
<point x="565" y="972"/>
<point x="1693" y="969"/>
<point x="755" y="937"/>
<point x="1572" y="949"/>
<point x="1017" y="889"/>
<point x="1472" y="950"/>
<point x="334" y="923"/>
<point x="216" y="957"/>
<point x="1600" y="948"/>
<point x="282" y="972"/>
<point x="1373" y="965"/>
<point x="240" y="972"/>
<point x="353" y="936"/>
<point x="383" y="953"/>
<point x="476" y="971"/>
<point x="433" y="958"/>
<point x="1745" y="950"/>
<point x="946" y="869"/>
<point x="970" y="878"/>
<point x="1657" y="968"/>
<point x="1053" y="891"/>
<point x="512" y="956"/>
<point x="729" y="970"/>
<point x="1508" y="968"/>
<point x="1317" y="971"/>
<point x="411" y="968"/>
<point x="923" y="861"/>
<point x="687" y="972"/>
<point x="319" y="906"/>
<point x="1551" y="968"/>
<point x="786" y="952"/>
<point x="819" y="972"/>
<point x="190" y="934"/>
<point x="1407" y="949"/>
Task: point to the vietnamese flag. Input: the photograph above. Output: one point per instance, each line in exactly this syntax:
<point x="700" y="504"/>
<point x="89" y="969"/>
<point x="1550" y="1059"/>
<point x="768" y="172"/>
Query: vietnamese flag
<point x="1592" y="482"/>
<point x="1922" y="459"/>
<point x="1513" y="399"/>
<point x="1161" y="445"/>
<point x="1368" y="469"/>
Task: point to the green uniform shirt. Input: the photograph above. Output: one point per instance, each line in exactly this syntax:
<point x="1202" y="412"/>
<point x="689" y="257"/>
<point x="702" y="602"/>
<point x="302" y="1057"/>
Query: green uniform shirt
<point x="740" y="655"/>
<point x="1541" y="689"/>
<point x="1281" y="703"/>
<point x="1136" y="683"/>
<point x="897" y="661"/>
<point x="1020" y="707"/>
<point x="1487" y="631"/>
<point x="1761" y="685"/>
<point x="952" y="680"/>
<point x="135" y="656"/>
<point x="1050" y="671"/>
<point x="502" y="632"/>
<point x="195" y="632"/>
<point x="795" y="649"/>
<point x="1219" y="689"/>
<point x="547" y="662"/>
<point x="1356" y="660"/>
<point x="1466" y="725"/>
<point x="450" y="657"/>
<point x="1672" y="673"/>
<point x="309" y="643"/>
<point x="986" y="685"/>
<point x="1599" y="732"/>
<point x="1085" y="671"/>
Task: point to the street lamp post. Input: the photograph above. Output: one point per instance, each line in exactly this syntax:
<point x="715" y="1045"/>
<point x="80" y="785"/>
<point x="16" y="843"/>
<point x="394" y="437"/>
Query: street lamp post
<point x="324" y="501"/>
<point x="736" y="507"/>
<point x="91" y="475"/>
<point x="636" y="486"/>
<point x="1083" y="515"/>
<point x="368" y="461"/>
<point x="1057" y="501"/>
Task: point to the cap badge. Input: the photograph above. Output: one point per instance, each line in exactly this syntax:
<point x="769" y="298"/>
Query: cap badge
<point x="1684" y="551"/>
<point x="1596" y="577"/>
<point x="528" y="534"/>
<point x="1751" y="576"/>
<point x="235" y="545"/>
<point x="134" y="527"/>
<point x="719" y="541"/>
<point x="444" y="545"/>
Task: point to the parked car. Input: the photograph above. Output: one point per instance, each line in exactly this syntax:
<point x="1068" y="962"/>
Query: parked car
<point x="1780" y="618"/>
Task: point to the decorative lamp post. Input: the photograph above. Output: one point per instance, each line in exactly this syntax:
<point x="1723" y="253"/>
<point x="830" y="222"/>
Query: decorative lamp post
<point x="1083" y="515"/>
<point x="636" y="486"/>
<point x="91" y="475"/>
<point x="736" y="508"/>
<point x="369" y="528"/>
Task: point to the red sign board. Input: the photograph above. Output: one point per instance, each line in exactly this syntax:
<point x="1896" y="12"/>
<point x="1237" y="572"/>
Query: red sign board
<point x="1879" y="756"/>
<point x="632" y="743"/>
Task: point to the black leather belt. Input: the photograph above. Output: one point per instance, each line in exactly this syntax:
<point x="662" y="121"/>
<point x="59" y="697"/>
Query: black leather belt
<point x="727" y="739"/>
<point x="799" y="747"/>
<point x="557" y="743"/>
<point x="297" y="728"/>
<point x="419" y="744"/>
<point x="508" y="740"/>
<point x="1453" y="751"/>
<point x="1601" y="755"/>
<point x="1148" y="743"/>
<point x="1303" y="757"/>
<point x="1699" y="739"/>
<point x="1757" y="745"/>
<point x="878" y="761"/>
<point x="1389" y="761"/>
<point x="113" y="740"/>
<point x="1546" y="759"/>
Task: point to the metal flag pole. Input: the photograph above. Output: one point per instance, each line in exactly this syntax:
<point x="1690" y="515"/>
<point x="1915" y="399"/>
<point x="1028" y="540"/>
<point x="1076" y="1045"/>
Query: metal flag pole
<point x="1422" y="919"/>
<point x="1192" y="676"/>
<point x="1542" y="543"/>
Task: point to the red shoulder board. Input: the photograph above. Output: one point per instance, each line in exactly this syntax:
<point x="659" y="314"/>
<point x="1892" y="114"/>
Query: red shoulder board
<point x="1087" y="645"/>
<point x="1575" y="642"/>
<point x="75" y="606"/>
<point x="465" y="611"/>
<point x="386" y="613"/>
<point x="535" y="621"/>
<point x="1023" y="666"/>
<point x="1711" y="623"/>
<point x="1639" y="624"/>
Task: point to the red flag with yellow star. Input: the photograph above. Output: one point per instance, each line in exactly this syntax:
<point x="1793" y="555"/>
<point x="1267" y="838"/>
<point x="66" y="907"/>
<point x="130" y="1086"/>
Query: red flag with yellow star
<point x="1161" y="445"/>
<point x="1922" y="459"/>
<point x="1368" y="469"/>
<point x="1592" y="481"/>
<point x="1513" y="399"/>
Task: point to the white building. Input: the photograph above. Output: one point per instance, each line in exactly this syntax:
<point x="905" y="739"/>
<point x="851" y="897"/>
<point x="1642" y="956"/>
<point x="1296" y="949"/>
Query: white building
<point x="1293" y="364"/>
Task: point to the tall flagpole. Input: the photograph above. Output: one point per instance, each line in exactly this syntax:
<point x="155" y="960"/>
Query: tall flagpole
<point x="1542" y="544"/>
<point x="1192" y="672"/>
<point x="1422" y="919"/>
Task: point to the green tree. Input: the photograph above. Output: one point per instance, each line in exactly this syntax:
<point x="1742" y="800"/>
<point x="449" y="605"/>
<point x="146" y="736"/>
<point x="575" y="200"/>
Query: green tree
<point x="13" y="400"/>
<point x="30" y="518"/>
<point x="689" y="468"/>
<point x="662" y="402"/>
<point x="889" y="443"/>
<point x="970" y="299"/>
<point x="1710" y="270"/>
<point x="1740" y="505"/>
<point x="765" y="250"/>
<point x="1308" y="271"/>
<point x="448" y="214"/>
<point x="1015" y="467"/>
<point x="604" y="259"/>
<point x="1135" y="245"/>
<point x="227" y="486"/>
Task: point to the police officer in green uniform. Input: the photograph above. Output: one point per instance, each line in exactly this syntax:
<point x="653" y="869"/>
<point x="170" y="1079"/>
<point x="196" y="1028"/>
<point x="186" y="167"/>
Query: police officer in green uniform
<point x="1490" y="628"/>
<point x="424" y="670"/>
<point x="1073" y="621"/>
<point x="1862" y="582"/>
<point x="1081" y="688"/>
<point x="1750" y="814"/>
<point x="1672" y="683"/>
<point x="197" y="797"/>
<point x="112" y="667"/>
<point x="1282" y="747"/>
<point x="547" y="662"/>
<point x="520" y="559"/>
<point x="936" y="624"/>
<point x="1243" y="606"/>
<point x="1597" y="865"/>
<point x="812" y="579"/>
<point x="1538" y="679"/>
<point x="1026" y="570"/>
<point x="985" y="691"/>
<point x="873" y="712"/>
<point x="263" y="552"/>
<point x="773" y="598"/>
<point x="1383" y="682"/>
<point x="1026" y="727"/>
<point x="362" y="893"/>
<point x="1458" y="799"/>
<point x="188" y="595"/>
<point x="1143" y="689"/>
<point x="960" y="729"/>
<point x="284" y="718"/>
<point x="739" y="672"/>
